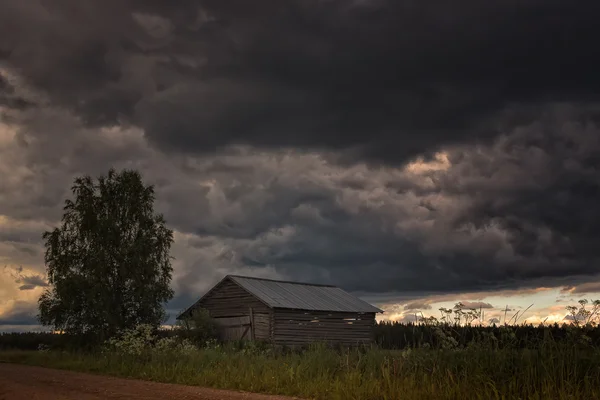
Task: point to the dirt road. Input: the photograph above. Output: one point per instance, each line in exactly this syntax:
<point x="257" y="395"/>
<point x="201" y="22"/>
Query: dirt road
<point x="18" y="382"/>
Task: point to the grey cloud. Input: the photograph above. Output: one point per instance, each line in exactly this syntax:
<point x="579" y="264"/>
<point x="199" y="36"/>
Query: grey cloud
<point x="8" y="96"/>
<point x="27" y="282"/>
<point x="22" y="328"/>
<point x="23" y="232"/>
<point x="31" y="282"/>
<point x="21" y="313"/>
<point x="503" y="209"/>
<point x="372" y="237"/>
<point x="574" y="318"/>
<point x="476" y="305"/>
<point x="390" y="79"/>
<point x="295" y="214"/>
<point x="23" y="319"/>
<point x="293" y="96"/>
<point x="543" y="172"/>
<point x="584" y="288"/>
<point x="417" y="306"/>
<point x="20" y="254"/>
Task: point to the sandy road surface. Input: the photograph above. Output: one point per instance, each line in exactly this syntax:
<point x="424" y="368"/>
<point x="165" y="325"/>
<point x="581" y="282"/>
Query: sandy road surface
<point x="19" y="382"/>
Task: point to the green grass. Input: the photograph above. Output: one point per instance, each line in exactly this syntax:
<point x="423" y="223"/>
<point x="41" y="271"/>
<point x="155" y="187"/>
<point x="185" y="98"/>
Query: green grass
<point x="550" y="372"/>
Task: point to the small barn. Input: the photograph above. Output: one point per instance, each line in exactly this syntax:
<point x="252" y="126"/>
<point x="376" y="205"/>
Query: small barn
<point x="287" y="313"/>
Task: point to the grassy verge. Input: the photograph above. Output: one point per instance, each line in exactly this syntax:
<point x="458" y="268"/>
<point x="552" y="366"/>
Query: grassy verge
<point x="559" y="372"/>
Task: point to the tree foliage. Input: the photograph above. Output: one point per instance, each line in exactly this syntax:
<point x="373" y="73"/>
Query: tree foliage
<point x="108" y="263"/>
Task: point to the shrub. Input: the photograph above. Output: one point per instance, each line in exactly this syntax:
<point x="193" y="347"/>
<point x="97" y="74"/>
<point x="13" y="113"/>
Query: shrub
<point x="199" y="328"/>
<point x="174" y="345"/>
<point x="133" y="341"/>
<point x="143" y="339"/>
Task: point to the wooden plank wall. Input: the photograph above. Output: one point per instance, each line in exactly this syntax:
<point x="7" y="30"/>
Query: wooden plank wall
<point x="230" y="300"/>
<point x="240" y="328"/>
<point x="293" y="327"/>
<point x="234" y="328"/>
<point x="262" y="326"/>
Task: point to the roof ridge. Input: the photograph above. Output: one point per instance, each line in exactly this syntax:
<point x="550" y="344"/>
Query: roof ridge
<point x="281" y="281"/>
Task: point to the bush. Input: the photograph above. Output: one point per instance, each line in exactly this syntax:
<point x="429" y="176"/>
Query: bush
<point x="199" y="328"/>
<point x="143" y="339"/>
<point x="133" y="341"/>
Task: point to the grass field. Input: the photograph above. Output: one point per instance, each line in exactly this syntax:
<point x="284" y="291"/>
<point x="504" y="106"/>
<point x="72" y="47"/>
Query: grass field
<point x="439" y="361"/>
<point x="551" y="371"/>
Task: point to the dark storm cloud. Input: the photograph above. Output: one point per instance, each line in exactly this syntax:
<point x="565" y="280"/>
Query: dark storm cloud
<point x="383" y="80"/>
<point x="476" y="305"/>
<point x="31" y="282"/>
<point x="26" y="282"/>
<point x="541" y="186"/>
<point x="501" y="216"/>
<point x="22" y="313"/>
<point x="417" y="305"/>
<point x="481" y="220"/>
<point x="583" y="288"/>
<point x="391" y="78"/>
<point x="8" y="98"/>
<point x="22" y="319"/>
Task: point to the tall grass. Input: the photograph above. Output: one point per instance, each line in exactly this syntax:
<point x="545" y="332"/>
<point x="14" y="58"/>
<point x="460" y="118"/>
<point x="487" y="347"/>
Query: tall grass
<point x="440" y="361"/>
<point x="480" y="371"/>
<point x="388" y="335"/>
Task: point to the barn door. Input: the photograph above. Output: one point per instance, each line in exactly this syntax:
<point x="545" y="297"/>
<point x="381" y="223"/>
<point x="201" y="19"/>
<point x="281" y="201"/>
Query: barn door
<point x="235" y="328"/>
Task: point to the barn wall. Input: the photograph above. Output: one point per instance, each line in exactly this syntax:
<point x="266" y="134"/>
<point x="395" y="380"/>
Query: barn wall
<point x="234" y="328"/>
<point x="291" y="327"/>
<point x="262" y="326"/>
<point x="230" y="300"/>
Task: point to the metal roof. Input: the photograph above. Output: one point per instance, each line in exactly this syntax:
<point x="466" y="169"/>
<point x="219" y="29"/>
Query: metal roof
<point x="302" y="296"/>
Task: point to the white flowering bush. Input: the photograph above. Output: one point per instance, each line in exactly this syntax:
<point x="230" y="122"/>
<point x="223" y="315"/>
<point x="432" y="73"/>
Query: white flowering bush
<point x="186" y="347"/>
<point x="133" y="341"/>
<point x="44" y="348"/>
<point x="166" y="344"/>
<point x="445" y="341"/>
<point x="199" y="328"/>
<point x="174" y="345"/>
<point x="212" y="344"/>
<point x="142" y="339"/>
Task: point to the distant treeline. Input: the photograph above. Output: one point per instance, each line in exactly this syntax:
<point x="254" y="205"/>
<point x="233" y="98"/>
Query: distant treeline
<point x="37" y="340"/>
<point x="388" y="335"/>
<point x="392" y="335"/>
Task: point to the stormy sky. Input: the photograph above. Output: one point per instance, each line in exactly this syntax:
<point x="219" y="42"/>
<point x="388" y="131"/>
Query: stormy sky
<point x="412" y="152"/>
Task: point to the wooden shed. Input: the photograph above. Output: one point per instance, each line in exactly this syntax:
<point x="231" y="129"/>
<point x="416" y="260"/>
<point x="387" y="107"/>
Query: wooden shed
<point x="287" y="313"/>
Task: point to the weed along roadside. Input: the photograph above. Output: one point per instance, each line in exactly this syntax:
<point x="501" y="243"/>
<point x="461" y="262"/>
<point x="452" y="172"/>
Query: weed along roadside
<point x="496" y="365"/>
